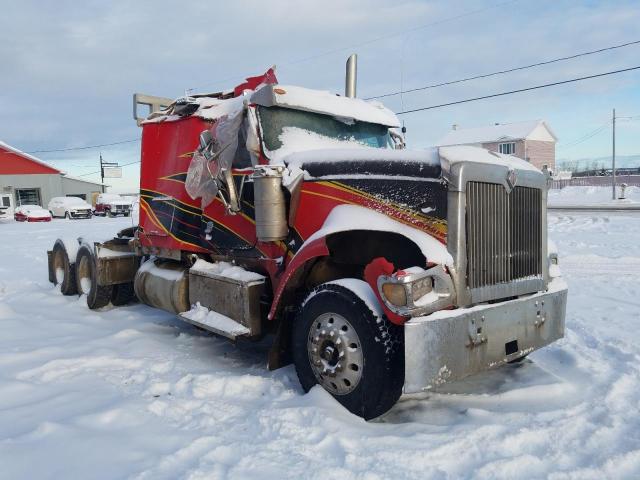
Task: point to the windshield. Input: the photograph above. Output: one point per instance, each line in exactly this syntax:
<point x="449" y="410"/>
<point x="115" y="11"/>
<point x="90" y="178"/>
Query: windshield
<point x="274" y="121"/>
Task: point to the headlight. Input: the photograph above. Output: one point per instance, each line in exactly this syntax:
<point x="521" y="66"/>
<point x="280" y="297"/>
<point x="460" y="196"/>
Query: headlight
<point x="395" y="293"/>
<point x="407" y="292"/>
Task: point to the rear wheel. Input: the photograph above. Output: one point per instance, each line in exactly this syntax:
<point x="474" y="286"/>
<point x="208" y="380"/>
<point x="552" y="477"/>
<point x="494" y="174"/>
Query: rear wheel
<point x="352" y="352"/>
<point x="63" y="269"/>
<point x="98" y="296"/>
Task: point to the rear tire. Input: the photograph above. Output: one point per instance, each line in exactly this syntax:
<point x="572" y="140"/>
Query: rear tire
<point x="98" y="296"/>
<point x="339" y="343"/>
<point x="64" y="271"/>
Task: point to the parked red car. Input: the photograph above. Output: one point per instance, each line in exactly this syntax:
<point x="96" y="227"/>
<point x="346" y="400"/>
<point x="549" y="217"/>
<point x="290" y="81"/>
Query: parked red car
<point x="112" y="204"/>
<point x="31" y="213"/>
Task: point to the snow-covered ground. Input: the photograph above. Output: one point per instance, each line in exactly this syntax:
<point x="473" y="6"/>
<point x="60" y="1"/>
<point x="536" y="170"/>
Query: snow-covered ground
<point x="134" y="393"/>
<point x="569" y="196"/>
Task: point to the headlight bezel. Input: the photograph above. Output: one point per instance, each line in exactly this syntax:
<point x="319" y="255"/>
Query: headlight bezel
<point x="436" y="285"/>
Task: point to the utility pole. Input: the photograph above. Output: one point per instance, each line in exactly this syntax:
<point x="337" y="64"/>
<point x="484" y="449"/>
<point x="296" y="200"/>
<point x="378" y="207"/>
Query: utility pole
<point x="102" y="165"/>
<point x="101" y="173"/>
<point x="613" y="156"/>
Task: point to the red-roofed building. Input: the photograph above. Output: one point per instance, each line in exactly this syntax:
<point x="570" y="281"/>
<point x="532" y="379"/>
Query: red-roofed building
<point x="25" y="179"/>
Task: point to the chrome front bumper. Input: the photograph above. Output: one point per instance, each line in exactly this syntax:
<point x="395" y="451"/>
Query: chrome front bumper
<point x="452" y="344"/>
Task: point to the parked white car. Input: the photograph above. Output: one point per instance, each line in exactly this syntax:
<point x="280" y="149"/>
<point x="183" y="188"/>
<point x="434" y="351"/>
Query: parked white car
<point x="69" y="207"/>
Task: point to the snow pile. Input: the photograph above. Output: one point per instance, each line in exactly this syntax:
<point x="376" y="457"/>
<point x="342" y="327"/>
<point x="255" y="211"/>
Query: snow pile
<point x="133" y="392"/>
<point x="296" y="139"/>
<point x="207" y="108"/>
<point x="215" y="320"/>
<point x="591" y="196"/>
<point x="225" y="269"/>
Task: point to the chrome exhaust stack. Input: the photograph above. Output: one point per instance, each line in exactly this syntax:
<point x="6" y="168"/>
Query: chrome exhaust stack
<point x="351" y="77"/>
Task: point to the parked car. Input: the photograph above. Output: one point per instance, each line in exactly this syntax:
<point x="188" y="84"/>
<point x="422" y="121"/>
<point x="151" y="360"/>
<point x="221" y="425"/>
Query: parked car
<point x="31" y="213"/>
<point x="112" y="204"/>
<point x="3" y="212"/>
<point x="69" y="207"/>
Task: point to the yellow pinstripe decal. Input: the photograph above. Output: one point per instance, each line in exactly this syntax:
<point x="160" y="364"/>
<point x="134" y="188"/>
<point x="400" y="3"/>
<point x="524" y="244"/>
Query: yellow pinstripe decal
<point x="155" y="220"/>
<point x="438" y="225"/>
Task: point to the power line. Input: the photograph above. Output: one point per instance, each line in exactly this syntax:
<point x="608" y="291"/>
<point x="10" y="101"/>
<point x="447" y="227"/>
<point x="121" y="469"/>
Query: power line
<point x="586" y="137"/>
<point x="375" y="40"/>
<point x="501" y="72"/>
<point x="536" y="87"/>
<point x="94" y="173"/>
<point x="87" y="147"/>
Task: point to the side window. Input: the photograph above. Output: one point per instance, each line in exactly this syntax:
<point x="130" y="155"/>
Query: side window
<point x="507" y="148"/>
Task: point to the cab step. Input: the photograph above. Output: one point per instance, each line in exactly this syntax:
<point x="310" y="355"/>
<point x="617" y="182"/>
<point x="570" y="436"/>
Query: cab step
<point x="214" y="322"/>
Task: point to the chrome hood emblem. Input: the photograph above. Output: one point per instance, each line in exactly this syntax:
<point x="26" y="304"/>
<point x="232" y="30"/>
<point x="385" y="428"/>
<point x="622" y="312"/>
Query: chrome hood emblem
<point x="512" y="178"/>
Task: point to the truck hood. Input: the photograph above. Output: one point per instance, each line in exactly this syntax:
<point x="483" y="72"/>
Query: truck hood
<point x="458" y="159"/>
<point x="118" y="202"/>
<point x="366" y="162"/>
<point x="429" y="163"/>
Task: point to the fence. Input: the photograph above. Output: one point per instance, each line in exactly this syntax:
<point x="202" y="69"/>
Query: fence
<point x="597" y="181"/>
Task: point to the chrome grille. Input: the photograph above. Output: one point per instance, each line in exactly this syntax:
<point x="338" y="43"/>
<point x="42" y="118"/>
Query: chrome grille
<point x="504" y="234"/>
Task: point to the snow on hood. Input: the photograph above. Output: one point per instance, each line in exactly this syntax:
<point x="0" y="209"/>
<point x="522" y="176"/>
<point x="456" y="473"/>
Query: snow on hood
<point x="32" y="210"/>
<point x="320" y="101"/>
<point x="458" y="154"/>
<point x="340" y="153"/>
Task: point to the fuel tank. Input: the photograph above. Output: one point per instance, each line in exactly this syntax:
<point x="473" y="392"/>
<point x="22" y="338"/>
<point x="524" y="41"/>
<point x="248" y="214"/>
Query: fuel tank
<point x="163" y="284"/>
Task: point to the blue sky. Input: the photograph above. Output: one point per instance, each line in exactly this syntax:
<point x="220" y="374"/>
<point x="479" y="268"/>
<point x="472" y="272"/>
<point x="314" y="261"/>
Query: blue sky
<point x="69" y="69"/>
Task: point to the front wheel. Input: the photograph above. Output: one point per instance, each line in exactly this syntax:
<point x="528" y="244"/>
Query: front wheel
<point x="66" y="215"/>
<point x="354" y="353"/>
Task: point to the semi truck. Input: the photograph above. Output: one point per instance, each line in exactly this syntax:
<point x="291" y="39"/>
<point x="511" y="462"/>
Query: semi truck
<point x="276" y="211"/>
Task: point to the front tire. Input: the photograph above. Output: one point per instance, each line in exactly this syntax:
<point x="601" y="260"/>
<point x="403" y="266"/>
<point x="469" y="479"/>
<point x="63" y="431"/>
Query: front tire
<point x="66" y="215"/>
<point x="98" y="296"/>
<point x="353" y="353"/>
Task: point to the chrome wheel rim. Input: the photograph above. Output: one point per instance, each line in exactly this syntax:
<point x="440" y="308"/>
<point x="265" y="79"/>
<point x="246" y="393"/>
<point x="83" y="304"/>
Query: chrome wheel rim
<point x="58" y="266"/>
<point x="84" y="272"/>
<point x="335" y="353"/>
